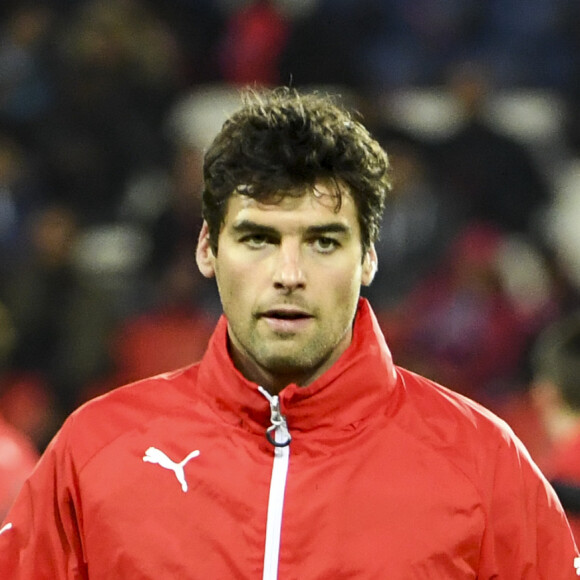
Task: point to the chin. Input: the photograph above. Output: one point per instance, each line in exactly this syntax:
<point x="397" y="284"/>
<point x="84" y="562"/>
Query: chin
<point x="295" y="369"/>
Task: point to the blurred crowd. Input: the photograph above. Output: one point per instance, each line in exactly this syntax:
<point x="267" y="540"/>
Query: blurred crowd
<point x="106" y="107"/>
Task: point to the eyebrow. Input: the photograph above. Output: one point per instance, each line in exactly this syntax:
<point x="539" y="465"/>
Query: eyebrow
<point x="245" y="226"/>
<point x="334" y="227"/>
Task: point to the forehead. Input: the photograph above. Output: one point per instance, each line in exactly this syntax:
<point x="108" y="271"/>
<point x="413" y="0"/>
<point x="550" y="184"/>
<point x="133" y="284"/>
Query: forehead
<point x="317" y="206"/>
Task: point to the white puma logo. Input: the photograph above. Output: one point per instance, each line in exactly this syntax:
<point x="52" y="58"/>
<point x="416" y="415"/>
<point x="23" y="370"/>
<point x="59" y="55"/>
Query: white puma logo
<point x="154" y="455"/>
<point x="7" y="527"/>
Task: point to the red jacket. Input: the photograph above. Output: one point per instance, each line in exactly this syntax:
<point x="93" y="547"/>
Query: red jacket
<point x="388" y="475"/>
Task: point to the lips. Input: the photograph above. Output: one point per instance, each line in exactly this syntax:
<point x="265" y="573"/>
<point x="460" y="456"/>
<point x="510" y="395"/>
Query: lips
<point x="286" y="320"/>
<point x="286" y="314"/>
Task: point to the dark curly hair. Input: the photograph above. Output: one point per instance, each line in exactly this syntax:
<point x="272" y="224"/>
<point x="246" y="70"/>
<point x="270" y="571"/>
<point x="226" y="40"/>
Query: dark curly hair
<point x="282" y="142"/>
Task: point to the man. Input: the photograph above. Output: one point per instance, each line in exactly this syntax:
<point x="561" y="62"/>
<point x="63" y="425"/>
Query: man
<point x="555" y="390"/>
<point x="295" y="448"/>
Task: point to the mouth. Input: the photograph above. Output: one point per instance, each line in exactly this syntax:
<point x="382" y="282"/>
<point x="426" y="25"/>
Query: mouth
<point x="285" y="319"/>
<point x="286" y="314"/>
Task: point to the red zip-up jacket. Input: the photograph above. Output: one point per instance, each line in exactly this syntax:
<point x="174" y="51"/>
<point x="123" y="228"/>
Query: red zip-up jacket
<point x="387" y="475"/>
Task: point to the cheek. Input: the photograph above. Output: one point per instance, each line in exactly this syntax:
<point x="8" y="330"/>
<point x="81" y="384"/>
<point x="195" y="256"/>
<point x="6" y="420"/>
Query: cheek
<point x="236" y="286"/>
<point x="341" y="294"/>
<point x="223" y="281"/>
<point x="348" y="281"/>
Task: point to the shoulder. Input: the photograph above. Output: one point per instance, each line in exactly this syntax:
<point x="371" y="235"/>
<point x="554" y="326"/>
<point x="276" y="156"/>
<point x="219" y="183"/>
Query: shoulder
<point x="144" y="397"/>
<point x="123" y="410"/>
<point x="462" y="430"/>
<point x="440" y="405"/>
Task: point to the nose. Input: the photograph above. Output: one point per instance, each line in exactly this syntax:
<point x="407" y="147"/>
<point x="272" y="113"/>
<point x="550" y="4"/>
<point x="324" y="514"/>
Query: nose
<point x="289" y="272"/>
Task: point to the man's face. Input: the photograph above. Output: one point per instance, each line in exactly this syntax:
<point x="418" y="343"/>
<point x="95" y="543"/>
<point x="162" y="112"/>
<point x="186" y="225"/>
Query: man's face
<point x="289" y="275"/>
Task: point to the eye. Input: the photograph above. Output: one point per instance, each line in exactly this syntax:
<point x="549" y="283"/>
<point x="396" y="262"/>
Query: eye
<point x="256" y="241"/>
<point x="325" y="244"/>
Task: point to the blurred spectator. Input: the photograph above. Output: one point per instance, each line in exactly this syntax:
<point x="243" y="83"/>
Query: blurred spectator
<point x="21" y="193"/>
<point x="571" y="90"/>
<point x="403" y="43"/>
<point x="379" y="44"/>
<point x="459" y="325"/>
<point x="61" y="323"/>
<point x="18" y="457"/>
<point x="254" y="39"/>
<point x="321" y="48"/>
<point x="7" y="336"/>
<point x="175" y="227"/>
<point x="562" y="219"/>
<point x="418" y="224"/>
<point x="556" y="391"/>
<point x="26" y="84"/>
<point x="528" y="42"/>
<point x="197" y="26"/>
<point x="118" y="70"/>
<point x="28" y="404"/>
<point x="493" y="177"/>
<point x="171" y="333"/>
<point x="18" y="453"/>
<point x="173" y="218"/>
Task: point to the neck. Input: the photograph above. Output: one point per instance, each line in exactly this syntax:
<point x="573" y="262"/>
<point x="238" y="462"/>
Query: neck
<point x="272" y="381"/>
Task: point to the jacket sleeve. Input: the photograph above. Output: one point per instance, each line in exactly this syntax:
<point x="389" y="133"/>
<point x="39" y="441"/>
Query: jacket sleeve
<point x="527" y="535"/>
<point x="40" y="537"/>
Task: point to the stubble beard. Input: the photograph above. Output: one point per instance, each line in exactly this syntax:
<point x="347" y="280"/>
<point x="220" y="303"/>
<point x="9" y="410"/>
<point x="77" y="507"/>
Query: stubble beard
<point x="293" y="363"/>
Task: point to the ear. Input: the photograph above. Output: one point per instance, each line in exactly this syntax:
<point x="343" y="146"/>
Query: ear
<point x="369" y="268"/>
<point x="204" y="255"/>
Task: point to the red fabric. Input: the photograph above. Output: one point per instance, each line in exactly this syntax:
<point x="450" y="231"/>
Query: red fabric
<point x="254" y="41"/>
<point x="389" y="475"/>
<point x="18" y="457"/>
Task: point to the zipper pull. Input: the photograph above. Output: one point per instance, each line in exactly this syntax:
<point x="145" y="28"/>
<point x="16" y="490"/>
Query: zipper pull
<point x="277" y="433"/>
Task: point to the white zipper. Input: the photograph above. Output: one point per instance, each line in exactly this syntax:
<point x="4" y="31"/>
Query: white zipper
<point x="281" y="449"/>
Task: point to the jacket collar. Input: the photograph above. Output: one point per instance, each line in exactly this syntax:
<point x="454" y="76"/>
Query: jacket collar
<point x="348" y="392"/>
